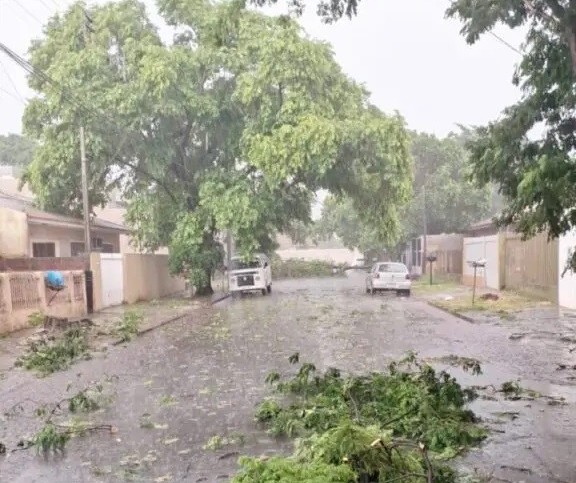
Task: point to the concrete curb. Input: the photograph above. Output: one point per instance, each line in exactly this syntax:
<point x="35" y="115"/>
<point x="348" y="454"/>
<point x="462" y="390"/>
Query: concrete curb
<point x="171" y="319"/>
<point x="220" y="298"/>
<point x="451" y="312"/>
<point x="156" y="326"/>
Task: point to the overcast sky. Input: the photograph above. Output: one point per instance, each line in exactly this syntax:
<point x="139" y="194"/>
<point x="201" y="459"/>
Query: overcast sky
<point x="405" y="52"/>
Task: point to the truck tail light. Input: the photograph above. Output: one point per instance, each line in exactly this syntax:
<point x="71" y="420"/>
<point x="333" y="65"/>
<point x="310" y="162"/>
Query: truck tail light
<point x="376" y="275"/>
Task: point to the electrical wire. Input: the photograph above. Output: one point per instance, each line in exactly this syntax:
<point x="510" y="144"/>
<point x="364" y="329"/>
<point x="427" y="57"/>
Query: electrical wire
<point x="30" y="14"/>
<point x="16" y="91"/>
<point x="12" y="95"/>
<point x="109" y="121"/>
<point x="46" y="5"/>
<point x="510" y="46"/>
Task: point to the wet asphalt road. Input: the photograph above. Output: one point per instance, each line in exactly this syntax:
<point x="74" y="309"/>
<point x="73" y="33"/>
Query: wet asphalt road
<point x="182" y="384"/>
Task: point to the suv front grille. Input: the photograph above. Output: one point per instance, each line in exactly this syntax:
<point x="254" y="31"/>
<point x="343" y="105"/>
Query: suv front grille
<point x="245" y="280"/>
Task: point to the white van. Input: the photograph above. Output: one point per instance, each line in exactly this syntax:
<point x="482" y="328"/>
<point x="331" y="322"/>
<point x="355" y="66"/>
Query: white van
<point x="250" y="276"/>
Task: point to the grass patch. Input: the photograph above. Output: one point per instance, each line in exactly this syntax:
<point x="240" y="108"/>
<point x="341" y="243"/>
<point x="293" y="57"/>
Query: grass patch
<point x="504" y="307"/>
<point x="422" y="286"/>
<point x="51" y="354"/>
<point x="36" y="319"/>
<point x="398" y="425"/>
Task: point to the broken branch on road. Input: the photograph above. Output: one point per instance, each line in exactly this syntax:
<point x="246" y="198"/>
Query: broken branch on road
<point x="397" y="425"/>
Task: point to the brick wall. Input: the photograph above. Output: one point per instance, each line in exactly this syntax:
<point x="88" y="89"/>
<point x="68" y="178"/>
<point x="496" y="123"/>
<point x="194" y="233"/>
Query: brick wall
<point x="43" y="264"/>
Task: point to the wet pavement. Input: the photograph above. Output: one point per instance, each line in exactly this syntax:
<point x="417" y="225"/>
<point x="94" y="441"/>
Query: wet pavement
<point x="186" y="382"/>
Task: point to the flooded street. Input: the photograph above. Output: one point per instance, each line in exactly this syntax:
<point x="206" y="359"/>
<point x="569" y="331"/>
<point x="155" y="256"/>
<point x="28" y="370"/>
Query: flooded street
<point x="177" y="387"/>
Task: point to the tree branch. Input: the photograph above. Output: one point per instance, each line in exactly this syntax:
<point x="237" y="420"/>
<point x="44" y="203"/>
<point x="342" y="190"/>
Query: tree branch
<point x="160" y="183"/>
<point x="558" y="10"/>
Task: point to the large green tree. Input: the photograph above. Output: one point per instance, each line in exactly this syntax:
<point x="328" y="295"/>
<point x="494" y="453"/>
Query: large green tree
<point x="340" y="217"/>
<point x="16" y="150"/>
<point x="529" y="151"/>
<point x="443" y="191"/>
<point x="233" y="127"/>
<point x="442" y="187"/>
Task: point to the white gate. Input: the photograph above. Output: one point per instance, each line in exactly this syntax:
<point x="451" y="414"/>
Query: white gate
<point x="483" y="248"/>
<point x="112" y="279"/>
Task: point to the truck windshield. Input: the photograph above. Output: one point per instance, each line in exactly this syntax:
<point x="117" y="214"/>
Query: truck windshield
<point x="241" y="264"/>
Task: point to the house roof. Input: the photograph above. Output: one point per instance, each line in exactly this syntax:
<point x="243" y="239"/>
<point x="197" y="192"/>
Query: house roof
<point x="25" y="204"/>
<point x="488" y="223"/>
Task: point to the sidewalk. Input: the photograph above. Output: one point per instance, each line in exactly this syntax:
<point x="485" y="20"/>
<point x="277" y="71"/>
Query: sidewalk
<point x="150" y="315"/>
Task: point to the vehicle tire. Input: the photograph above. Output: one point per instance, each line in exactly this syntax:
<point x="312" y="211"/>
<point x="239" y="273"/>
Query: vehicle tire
<point x="269" y="288"/>
<point x="264" y="291"/>
<point x="408" y="293"/>
<point x="367" y="289"/>
<point x="372" y="291"/>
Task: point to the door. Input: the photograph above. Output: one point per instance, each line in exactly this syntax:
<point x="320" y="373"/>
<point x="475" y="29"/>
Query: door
<point x="111" y="267"/>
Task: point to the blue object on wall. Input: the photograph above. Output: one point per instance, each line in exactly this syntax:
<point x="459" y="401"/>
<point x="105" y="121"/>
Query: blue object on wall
<point x="54" y="280"/>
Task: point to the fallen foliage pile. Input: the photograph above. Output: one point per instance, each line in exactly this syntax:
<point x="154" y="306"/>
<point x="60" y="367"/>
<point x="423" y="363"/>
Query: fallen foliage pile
<point x="294" y="268"/>
<point x="399" y="425"/>
<point x="55" y="352"/>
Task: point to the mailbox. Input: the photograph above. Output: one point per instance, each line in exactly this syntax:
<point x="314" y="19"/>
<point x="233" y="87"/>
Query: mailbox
<point x="477" y="263"/>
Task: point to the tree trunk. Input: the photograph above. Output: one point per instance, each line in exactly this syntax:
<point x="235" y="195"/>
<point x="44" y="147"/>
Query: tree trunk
<point x="571" y="33"/>
<point x="206" y="290"/>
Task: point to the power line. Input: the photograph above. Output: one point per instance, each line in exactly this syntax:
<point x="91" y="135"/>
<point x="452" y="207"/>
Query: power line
<point x="46" y="5"/>
<point x="510" y="46"/>
<point x="30" y="14"/>
<point x="16" y="91"/>
<point x="11" y="95"/>
<point x="110" y="122"/>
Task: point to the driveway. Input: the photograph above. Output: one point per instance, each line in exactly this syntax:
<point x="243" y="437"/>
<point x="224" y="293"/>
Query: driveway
<point x="181" y="385"/>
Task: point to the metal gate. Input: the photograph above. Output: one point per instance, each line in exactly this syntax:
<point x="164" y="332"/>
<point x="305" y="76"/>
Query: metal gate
<point x="112" y="279"/>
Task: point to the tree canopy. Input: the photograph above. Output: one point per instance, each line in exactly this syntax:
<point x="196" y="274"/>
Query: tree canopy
<point x="441" y="186"/>
<point x="529" y="151"/>
<point x="16" y="150"/>
<point x="329" y="10"/>
<point x="233" y="127"/>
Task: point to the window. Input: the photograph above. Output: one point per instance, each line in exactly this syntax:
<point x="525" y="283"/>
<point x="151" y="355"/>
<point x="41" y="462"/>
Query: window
<point x="76" y="248"/>
<point x="393" y="268"/>
<point x="96" y="243"/>
<point x="107" y="248"/>
<point x="239" y="264"/>
<point x="47" y="249"/>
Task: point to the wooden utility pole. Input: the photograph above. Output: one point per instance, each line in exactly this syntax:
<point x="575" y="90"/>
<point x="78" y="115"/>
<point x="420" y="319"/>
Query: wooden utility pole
<point x="85" y="203"/>
<point x="87" y="28"/>
<point x="425" y="230"/>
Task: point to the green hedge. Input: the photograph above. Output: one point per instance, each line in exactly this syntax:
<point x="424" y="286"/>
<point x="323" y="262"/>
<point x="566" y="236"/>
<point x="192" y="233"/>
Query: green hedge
<point x="294" y="268"/>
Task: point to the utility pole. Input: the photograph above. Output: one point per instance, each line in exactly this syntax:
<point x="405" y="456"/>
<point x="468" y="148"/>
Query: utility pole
<point x="425" y="223"/>
<point x="85" y="204"/>
<point x="228" y="248"/>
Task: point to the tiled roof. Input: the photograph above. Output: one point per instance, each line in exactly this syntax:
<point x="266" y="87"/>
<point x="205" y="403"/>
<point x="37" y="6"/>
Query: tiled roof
<point x="25" y="204"/>
<point x="488" y="223"/>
